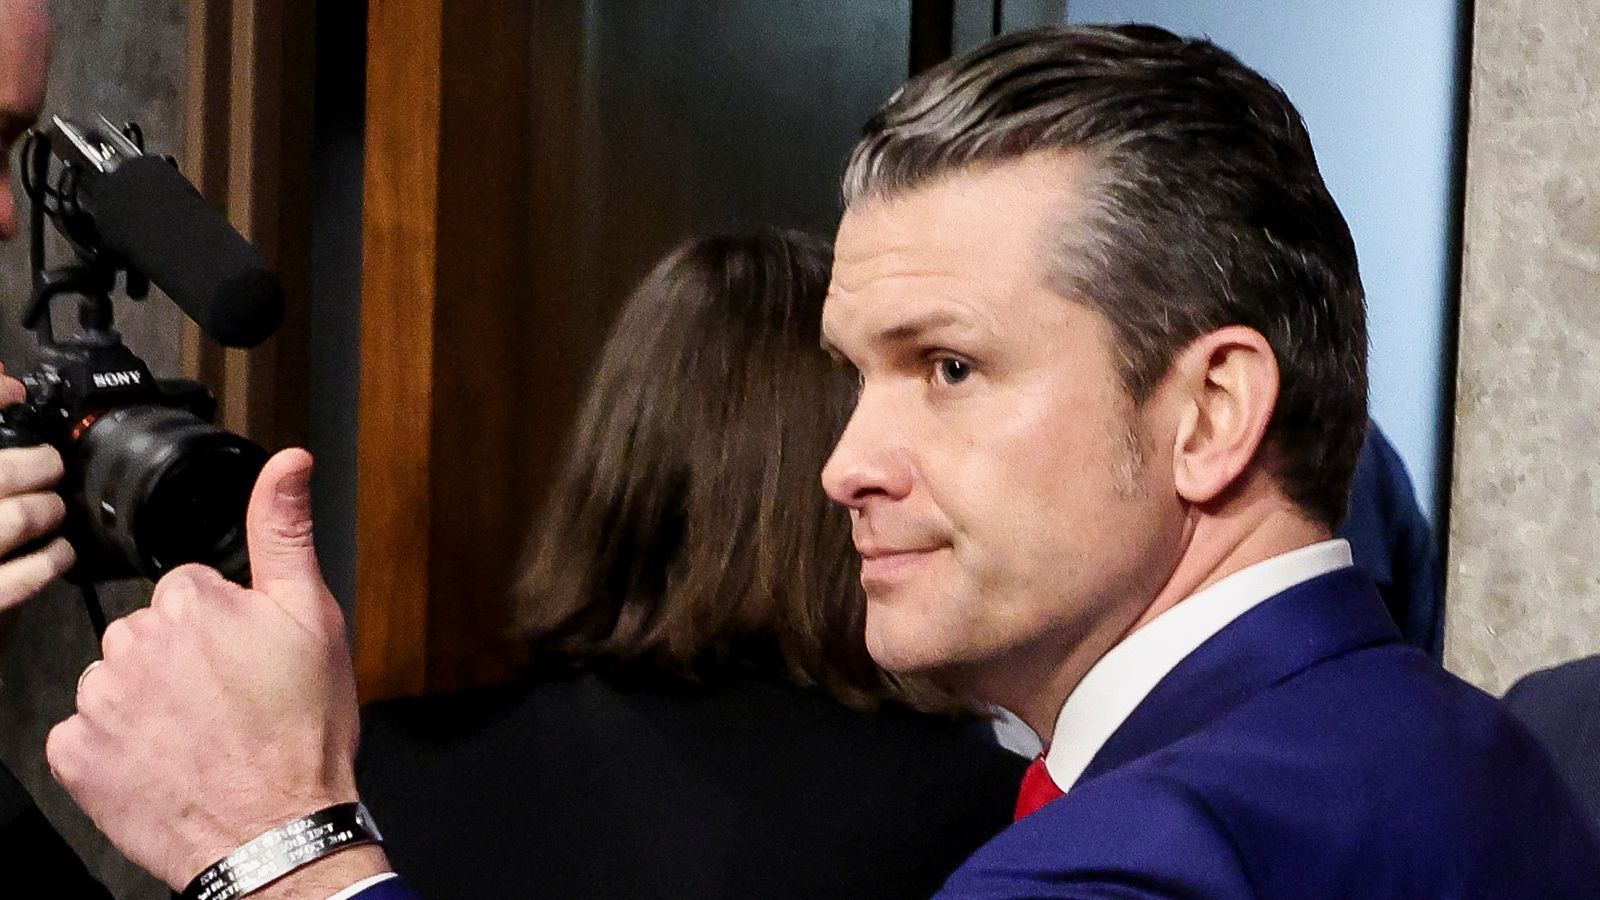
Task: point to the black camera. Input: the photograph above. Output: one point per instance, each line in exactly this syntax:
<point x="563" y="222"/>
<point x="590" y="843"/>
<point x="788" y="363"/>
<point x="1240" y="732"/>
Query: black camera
<point x="150" y="482"/>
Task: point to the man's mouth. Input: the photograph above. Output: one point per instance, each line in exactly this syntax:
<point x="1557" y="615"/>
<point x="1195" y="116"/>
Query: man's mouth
<point x="886" y="567"/>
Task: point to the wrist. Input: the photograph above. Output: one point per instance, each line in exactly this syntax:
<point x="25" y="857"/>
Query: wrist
<point x="214" y="832"/>
<point x="285" y="849"/>
<point x="328" y="876"/>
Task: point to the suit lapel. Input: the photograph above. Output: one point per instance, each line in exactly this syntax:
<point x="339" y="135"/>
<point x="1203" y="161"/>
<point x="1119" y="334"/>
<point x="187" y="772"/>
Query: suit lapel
<point x="1300" y="627"/>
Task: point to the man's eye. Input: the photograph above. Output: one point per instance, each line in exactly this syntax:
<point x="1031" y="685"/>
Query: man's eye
<point x="952" y="370"/>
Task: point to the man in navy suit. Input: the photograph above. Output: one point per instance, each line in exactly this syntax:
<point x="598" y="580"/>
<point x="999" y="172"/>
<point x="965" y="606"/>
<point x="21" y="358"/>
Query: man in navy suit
<point x="1112" y="353"/>
<point x="1111" y="340"/>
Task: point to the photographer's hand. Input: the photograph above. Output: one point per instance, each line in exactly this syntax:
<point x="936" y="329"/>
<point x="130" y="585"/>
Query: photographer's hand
<point x="220" y="712"/>
<point x="29" y="510"/>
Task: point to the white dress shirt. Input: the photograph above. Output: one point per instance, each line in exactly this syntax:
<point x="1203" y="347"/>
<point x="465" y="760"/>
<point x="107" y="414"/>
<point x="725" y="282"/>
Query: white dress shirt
<point x="361" y="885"/>
<point x="1127" y="674"/>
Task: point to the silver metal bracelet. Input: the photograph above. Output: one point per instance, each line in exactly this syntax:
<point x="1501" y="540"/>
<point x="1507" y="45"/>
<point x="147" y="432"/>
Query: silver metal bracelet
<point x="281" y="850"/>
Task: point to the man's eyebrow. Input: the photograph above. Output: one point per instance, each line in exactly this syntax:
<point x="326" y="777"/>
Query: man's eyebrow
<point x="907" y="332"/>
<point x="914" y="328"/>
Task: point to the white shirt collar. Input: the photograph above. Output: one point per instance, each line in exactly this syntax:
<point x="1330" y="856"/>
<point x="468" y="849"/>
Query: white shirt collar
<point x="1128" y="672"/>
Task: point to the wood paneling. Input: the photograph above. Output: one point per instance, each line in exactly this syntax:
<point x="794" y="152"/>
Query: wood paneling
<point x="465" y="279"/>
<point x="400" y="253"/>
<point x="248" y="149"/>
<point x="485" y="388"/>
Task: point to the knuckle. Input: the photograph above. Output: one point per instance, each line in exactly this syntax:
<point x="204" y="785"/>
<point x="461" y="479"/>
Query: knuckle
<point x="59" y="558"/>
<point x="53" y="466"/>
<point x="174" y="593"/>
<point x="121" y="636"/>
<point x="189" y="571"/>
<point x="195" y="576"/>
<point x="63" y="750"/>
<point x="172" y="601"/>
<point x="186" y="589"/>
<point x="52" y="509"/>
<point x="98" y="700"/>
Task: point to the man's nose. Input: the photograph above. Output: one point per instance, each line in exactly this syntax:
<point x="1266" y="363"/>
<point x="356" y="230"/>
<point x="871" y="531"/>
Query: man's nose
<point x="870" y="459"/>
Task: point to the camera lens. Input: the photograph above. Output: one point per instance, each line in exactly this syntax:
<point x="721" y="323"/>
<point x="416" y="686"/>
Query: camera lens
<point x="163" y="487"/>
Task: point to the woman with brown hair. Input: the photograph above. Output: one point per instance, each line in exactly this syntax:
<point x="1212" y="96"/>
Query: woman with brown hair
<point x="701" y="719"/>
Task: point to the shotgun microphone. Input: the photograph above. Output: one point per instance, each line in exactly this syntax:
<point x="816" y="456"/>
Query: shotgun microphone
<point x="144" y="211"/>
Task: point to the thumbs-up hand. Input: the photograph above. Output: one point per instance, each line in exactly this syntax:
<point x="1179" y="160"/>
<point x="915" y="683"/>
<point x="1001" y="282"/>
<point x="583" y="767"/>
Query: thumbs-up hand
<point x="220" y="712"/>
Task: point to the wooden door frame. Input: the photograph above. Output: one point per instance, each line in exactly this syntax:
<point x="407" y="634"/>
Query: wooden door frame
<point x="449" y="105"/>
<point x="447" y="215"/>
<point x="405" y="42"/>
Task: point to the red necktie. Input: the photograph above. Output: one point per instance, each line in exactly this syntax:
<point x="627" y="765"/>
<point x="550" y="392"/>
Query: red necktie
<point x="1037" y="789"/>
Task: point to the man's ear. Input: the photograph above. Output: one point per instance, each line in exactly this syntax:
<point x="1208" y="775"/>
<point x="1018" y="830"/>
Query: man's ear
<point x="1227" y="383"/>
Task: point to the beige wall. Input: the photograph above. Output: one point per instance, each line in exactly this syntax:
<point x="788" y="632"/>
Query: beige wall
<point x="1524" y="575"/>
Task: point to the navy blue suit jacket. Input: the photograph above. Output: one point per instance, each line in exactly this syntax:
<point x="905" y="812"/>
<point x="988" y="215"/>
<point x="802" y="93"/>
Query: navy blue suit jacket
<point x="1304" y="752"/>
<point x="393" y="889"/>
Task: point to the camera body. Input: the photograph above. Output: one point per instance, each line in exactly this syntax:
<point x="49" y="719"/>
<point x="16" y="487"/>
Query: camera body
<point x="150" y="482"/>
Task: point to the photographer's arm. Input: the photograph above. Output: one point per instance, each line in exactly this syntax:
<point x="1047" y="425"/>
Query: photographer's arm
<point x="220" y="712"/>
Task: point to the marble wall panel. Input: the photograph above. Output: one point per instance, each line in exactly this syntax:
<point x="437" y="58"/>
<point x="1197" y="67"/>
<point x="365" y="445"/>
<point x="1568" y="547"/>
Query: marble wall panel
<point x="1524" y="561"/>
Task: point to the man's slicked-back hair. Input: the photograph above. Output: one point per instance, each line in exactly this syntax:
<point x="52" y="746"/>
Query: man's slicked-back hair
<point x="1205" y="209"/>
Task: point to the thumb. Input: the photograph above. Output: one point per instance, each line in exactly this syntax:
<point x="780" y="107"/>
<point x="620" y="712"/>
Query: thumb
<point x="283" y="560"/>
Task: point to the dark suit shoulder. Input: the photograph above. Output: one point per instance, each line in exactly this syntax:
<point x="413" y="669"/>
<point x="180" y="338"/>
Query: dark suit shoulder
<point x="1574" y="684"/>
<point x="1561" y="706"/>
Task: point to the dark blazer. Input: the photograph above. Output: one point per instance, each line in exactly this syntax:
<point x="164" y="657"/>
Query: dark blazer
<point x="1304" y="752"/>
<point x="1561" y="706"/>
<point x="1392" y="541"/>
<point x="576" y="787"/>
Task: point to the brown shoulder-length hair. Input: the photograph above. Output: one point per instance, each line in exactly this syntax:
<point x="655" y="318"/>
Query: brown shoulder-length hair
<point x="688" y="535"/>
